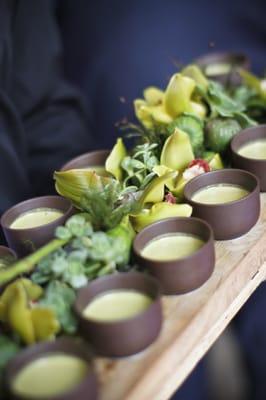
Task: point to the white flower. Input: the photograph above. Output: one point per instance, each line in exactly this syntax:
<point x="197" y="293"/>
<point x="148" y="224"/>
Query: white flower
<point x="192" y="172"/>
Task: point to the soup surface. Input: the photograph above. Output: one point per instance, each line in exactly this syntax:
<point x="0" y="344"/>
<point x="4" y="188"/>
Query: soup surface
<point x="36" y="217"/>
<point x="172" y="247"/>
<point x="50" y="375"/>
<point x="255" y="150"/>
<point x="116" y="305"/>
<point x="218" y="194"/>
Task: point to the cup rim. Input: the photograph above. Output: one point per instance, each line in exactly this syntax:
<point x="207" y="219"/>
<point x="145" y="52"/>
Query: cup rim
<point x="8" y="250"/>
<point x="217" y="172"/>
<point x="153" y="281"/>
<point x="32" y="200"/>
<point x="197" y="253"/>
<point x="234" y="148"/>
<point x="66" y="345"/>
<point x="100" y="152"/>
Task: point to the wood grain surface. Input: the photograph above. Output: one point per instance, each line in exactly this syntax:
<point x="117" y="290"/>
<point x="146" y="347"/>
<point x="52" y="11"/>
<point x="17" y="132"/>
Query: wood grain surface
<point x="192" y="322"/>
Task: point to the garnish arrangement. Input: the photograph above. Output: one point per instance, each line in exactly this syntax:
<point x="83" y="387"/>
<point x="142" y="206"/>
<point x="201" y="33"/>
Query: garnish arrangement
<point x="182" y="131"/>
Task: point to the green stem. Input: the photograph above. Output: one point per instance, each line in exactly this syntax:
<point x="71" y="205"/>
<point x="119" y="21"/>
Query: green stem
<point x="27" y="264"/>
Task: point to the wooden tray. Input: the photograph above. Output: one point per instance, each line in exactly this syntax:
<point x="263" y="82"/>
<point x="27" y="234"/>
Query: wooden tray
<point x="192" y="323"/>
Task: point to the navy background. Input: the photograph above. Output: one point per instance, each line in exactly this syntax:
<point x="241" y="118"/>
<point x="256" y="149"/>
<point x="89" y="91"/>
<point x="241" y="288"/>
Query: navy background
<point x="116" y="48"/>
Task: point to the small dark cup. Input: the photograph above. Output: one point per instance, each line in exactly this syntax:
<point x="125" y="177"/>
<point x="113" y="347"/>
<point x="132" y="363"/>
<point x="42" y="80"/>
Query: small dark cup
<point x="6" y="252"/>
<point x="256" y="167"/>
<point x="185" y="274"/>
<point x="91" y="159"/>
<point x="228" y="220"/>
<point x="124" y="337"/>
<point x="235" y="60"/>
<point x="25" y="241"/>
<point x="86" y="390"/>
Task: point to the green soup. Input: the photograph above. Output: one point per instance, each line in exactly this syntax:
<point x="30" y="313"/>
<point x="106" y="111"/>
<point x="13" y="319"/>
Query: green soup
<point x="117" y="305"/>
<point x="218" y="69"/>
<point x="35" y="218"/>
<point x="51" y="375"/>
<point x="172" y="247"/>
<point x="255" y="150"/>
<point x="219" y="194"/>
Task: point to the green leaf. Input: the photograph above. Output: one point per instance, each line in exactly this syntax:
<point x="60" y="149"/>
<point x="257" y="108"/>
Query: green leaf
<point x="60" y="298"/>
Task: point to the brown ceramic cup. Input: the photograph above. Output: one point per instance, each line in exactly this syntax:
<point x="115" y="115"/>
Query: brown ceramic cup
<point x="25" y="241"/>
<point x="255" y="166"/>
<point x="91" y="159"/>
<point x="185" y="274"/>
<point x="86" y="390"/>
<point x="228" y="220"/>
<point x="234" y="60"/>
<point x="124" y="337"/>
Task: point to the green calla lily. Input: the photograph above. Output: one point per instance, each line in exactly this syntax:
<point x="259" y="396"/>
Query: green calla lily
<point x="142" y="113"/>
<point x="153" y="95"/>
<point x="161" y="170"/>
<point x="154" y="192"/>
<point x="195" y="73"/>
<point x="177" y="151"/>
<point x="113" y="162"/>
<point x="74" y="183"/>
<point x="178" y="94"/>
<point x="148" y="115"/>
<point x="157" y="212"/>
<point x="254" y="83"/>
<point x="198" y="109"/>
<point x="216" y="162"/>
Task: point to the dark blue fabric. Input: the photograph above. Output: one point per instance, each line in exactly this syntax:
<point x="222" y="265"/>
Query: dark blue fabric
<point x="116" y="48"/>
<point x="42" y="119"/>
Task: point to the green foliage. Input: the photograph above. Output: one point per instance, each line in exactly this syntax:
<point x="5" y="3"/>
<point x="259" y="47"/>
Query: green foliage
<point x="88" y="254"/>
<point x="139" y="165"/>
<point x="60" y="298"/>
<point x="220" y="102"/>
<point x="219" y="132"/>
<point x="193" y="126"/>
<point x="105" y="207"/>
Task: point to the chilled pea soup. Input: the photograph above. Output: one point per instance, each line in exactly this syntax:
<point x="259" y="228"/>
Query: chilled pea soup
<point x="218" y="68"/>
<point x="254" y="149"/>
<point x="50" y="375"/>
<point x="35" y="218"/>
<point x="116" y="305"/>
<point x="219" y="193"/>
<point x="172" y="246"/>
